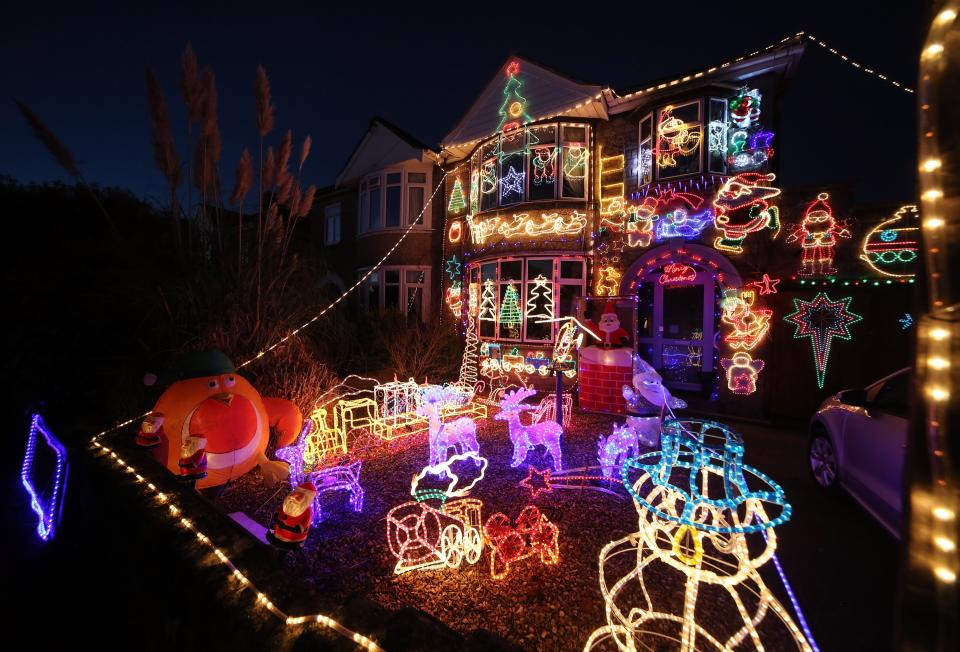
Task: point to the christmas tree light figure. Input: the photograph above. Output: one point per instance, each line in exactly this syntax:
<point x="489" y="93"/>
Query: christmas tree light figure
<point x="822" y="320"/>
<point x="510" y="316"/>
<point x="540" y="301"/>
<point x="488" y="303"/>
<point x="457" y="202"/>
<point x="514" y="107"/>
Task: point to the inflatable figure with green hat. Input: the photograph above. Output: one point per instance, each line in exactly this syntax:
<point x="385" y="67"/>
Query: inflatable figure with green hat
<point x="208" y="401"/>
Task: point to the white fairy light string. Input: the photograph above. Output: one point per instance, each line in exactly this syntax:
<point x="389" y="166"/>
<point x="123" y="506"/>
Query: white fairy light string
<point x="262" y="600"/>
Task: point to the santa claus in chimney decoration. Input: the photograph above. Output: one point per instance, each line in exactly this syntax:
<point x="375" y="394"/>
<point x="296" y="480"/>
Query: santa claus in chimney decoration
<point x="609" y="329"/>
<point x="603" y="362"/>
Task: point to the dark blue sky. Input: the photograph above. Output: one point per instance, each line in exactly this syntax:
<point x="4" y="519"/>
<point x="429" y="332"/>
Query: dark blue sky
<point x="80" y="68"/>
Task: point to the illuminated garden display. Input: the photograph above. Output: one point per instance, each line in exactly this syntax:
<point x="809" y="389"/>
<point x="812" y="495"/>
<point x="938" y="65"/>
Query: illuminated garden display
<point x="607" y="259"/>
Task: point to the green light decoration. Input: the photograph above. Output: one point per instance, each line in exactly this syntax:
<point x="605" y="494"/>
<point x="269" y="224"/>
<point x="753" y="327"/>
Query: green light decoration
<point x="513" y="111"/>
<point x="822" y="320"/>
<point x="510" y="308"/>
<point x="457" y="201"/>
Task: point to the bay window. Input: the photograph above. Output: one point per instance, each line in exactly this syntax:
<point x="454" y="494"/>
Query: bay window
<point x="519" y="297"/>
<point x="536" y="163"/>
<point x="393" y="199"/>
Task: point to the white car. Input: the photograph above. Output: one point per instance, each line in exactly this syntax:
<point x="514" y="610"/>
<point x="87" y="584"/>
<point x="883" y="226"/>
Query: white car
<point x="858" y="440"/>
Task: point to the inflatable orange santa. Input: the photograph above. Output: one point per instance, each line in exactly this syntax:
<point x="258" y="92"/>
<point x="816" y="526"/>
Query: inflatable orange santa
<point x="211" y="421"/>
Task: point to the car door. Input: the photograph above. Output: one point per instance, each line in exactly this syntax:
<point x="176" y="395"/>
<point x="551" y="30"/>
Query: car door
<point x="875" y="445"/>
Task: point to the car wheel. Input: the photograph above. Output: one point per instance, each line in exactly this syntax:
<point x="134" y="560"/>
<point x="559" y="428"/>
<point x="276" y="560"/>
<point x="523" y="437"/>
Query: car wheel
<point x="823" y="460"/>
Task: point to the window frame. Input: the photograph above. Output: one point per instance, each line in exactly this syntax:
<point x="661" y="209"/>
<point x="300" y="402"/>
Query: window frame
<point x="699" y="101"/>
<point x="475" y="275"/>
<point x="491" y="149"/>
<point x="328" y="218"/>
<point x="404" y="285"/>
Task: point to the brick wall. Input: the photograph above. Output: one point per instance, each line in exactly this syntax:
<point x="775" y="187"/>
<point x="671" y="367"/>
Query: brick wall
<point x="601" y="387"/>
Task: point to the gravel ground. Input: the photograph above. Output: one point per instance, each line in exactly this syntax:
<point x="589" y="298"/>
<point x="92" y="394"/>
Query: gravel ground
<point x="536" y="606"/>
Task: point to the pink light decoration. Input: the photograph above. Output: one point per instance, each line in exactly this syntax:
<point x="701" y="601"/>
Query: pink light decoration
<point x="677" y="273"/>
<point x="533" y="535"/>
<point x="742" y="372"/>
<point x="460" y="434"/>
<point x="545" y="433"/>
<point x="625" y="442"/>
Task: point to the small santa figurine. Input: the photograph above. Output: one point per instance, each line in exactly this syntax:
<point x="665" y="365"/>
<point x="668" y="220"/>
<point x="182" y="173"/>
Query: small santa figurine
<point x="151" y="431"/>
<point x="291" y="523"/>
<point x="609" y="327"/>
<point x="193" y="458"/>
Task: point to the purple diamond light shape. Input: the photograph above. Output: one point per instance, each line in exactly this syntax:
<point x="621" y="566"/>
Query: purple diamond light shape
<point x="47" y="508"/>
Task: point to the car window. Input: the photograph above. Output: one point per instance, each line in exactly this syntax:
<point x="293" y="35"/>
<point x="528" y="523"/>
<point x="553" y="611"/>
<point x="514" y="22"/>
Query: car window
<point x="891" y="397"/>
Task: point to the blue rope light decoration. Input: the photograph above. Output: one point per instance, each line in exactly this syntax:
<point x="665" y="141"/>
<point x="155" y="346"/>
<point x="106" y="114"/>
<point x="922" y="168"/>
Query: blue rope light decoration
<point x="700" y="447"/>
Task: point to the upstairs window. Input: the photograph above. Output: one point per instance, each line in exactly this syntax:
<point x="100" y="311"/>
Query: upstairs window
<point x="393" y="199"/>
<point x="537" y="163"/>
<point x="679" y="133"/>
<point x="331" y="221"/>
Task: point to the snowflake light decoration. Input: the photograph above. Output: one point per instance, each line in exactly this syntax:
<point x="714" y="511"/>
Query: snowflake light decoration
<point x="453" y="268"/>
<point x="822" y="320"/>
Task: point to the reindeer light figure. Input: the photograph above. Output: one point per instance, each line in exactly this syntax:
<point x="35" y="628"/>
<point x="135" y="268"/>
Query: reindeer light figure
<point x="460" y="434"/>
<point x="545" y="433"/>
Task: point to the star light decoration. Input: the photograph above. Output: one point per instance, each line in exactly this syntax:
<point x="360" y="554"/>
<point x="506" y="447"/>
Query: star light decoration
<point x="453" y="268"/>
<point x="766" y="285"/>
<point x="46" y="500"/>
<point x="822" y="320"/>
<point x="511" y="183"/>
<point x="537" y="487"/>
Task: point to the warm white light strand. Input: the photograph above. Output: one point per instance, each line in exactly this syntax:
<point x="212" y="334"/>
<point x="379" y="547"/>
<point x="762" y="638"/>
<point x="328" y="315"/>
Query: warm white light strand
<point x="855" y="64"/>
<point x="262" y="599"/>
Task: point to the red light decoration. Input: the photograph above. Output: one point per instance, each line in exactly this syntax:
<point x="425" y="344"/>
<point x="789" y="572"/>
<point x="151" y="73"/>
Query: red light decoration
<point x="455" y="232"/>
<point x="817" y="234"/>
<point x="742" y="208"/>
<point x="533" y="535"/>
<point x="537" y="487"/>
<point x="750" y="324"/>
<point x="742" y="372"/>
<point x="766" y="285"/>
<point x="677" y="273"/>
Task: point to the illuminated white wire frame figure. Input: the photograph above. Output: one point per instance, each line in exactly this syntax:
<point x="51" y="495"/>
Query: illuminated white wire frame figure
<point x="697" y="504"/>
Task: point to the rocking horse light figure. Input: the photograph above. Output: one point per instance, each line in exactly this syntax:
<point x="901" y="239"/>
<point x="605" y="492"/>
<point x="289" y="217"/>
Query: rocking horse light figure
<point x="460" y="434"/>
<point x="545" y="433"/>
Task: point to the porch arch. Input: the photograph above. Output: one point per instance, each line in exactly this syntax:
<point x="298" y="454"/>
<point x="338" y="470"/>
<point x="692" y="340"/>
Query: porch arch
<point x="706" y="259"/>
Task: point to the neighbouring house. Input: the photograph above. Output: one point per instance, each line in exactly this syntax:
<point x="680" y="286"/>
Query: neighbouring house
<point x="382" y="191"/>
<point x="658" y="208"/>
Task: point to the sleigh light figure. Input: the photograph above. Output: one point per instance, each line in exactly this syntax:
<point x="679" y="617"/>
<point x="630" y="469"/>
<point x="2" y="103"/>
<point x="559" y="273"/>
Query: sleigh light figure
<point x="459" y="434"/>
<point x="545" y="433"/>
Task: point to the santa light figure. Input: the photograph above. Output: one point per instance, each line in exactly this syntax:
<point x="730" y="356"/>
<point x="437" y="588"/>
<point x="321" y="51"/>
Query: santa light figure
<point x="291" y="523"/>
<point x="818" y="233"/>
<point x="151" y="431"/>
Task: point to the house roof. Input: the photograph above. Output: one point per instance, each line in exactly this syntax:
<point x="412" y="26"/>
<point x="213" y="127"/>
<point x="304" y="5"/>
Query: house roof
<point x="382" y="144"/>
<point x="547" y="93"/>
<point x="550" y="93"/>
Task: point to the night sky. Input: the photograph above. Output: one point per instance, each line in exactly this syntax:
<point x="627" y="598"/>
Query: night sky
<point x="81" y="68"/>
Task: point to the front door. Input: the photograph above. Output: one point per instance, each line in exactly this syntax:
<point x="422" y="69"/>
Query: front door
<point x="675" y="324"/>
